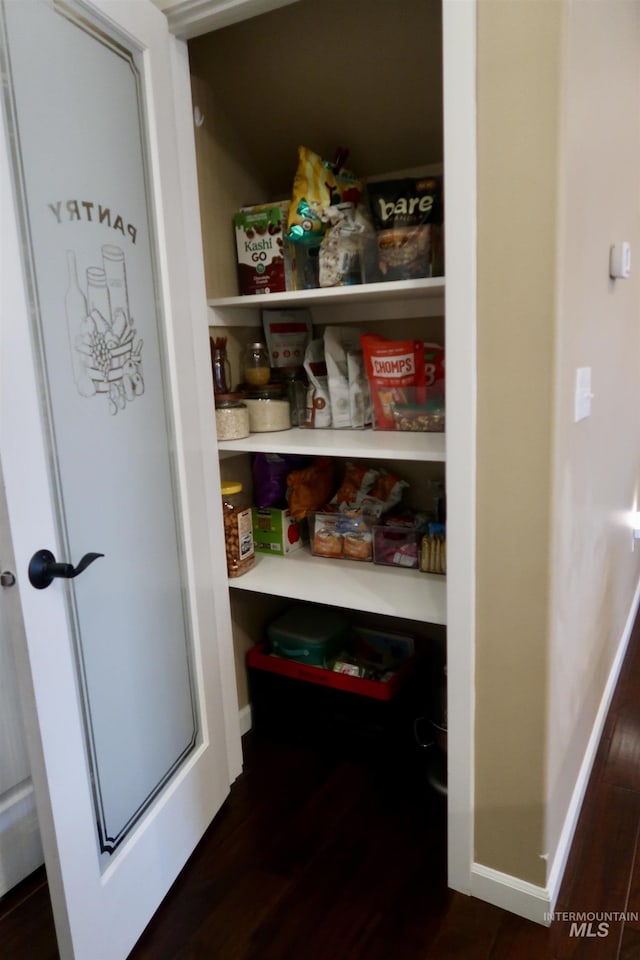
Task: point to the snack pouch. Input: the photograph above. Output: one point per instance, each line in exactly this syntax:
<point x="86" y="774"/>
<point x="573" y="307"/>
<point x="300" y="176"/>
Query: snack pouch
<point x="310" y="488"/>
<point x="287" y="333"/>
<point x="348" y="386"/>
<point x="318" y="412"/>
<point x="434" y="373"/>
<point x="270" y="471"/>
<point x="313" y="187"/>
<point x="316" y="186"/>
<point x="407" y="215"/>
<point x="346" y="242"/>
<point x="396" y="373"/>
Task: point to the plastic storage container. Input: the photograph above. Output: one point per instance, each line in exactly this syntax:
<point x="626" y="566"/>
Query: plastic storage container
<point x="238" y="530"/>
<point x="309" y="634"/>
<point x="340" y="537"/>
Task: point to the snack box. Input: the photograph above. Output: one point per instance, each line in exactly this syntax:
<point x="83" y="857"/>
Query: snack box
<point x="309" y="633"/>
<point x="340" y="537"/>
<point x="265" y="263"/>
<point x="433" y="549"/>
<point x="396" y="547"/>
<point x="277" y="532"/>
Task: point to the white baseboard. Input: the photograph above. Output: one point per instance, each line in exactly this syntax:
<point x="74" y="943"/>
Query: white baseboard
<point x="20" y="844"/>
<point x="556" y="870"/>
<point x="510" y="893"/>
<point x="245" y="720"/>
<point x="526" y="899"/>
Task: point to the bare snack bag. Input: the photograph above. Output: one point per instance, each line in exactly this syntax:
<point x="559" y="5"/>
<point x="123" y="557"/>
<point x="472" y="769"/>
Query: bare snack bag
<point x="407" y="216"/>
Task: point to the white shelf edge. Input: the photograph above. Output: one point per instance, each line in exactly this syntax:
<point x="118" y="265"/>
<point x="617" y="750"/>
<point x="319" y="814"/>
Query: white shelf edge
<point x="368" y="587"/>
<point x="360" y="293"/>
<point x="363" y="444"/>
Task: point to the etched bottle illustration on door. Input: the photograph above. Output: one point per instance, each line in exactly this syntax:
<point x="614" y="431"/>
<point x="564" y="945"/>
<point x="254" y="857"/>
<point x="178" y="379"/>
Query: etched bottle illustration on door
<point x="101" y="332"/>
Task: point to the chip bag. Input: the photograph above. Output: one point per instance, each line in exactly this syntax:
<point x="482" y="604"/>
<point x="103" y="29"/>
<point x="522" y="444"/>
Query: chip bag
<point x="317" y="185"/>
<point x="310" y="489"/>
<point x="396" y="374"/>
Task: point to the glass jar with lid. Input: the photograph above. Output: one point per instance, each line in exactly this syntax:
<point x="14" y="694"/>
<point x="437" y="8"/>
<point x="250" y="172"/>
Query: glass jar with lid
<point x="232" y="417"/>
<point x="269" y="408"/>
<point x="238" y="529"/>
<point x="256" y="365"/>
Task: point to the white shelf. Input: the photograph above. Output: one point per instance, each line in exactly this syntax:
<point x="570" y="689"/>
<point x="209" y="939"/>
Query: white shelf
<point x="359" y="303"/>
<point x="388" y="591"/>
<point x="364" y="444"/>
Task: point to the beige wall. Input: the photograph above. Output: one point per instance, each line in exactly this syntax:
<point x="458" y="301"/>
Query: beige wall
<point x="597" y="461"/>
<point x="558" y="182"/>
<point x="518" y="71"/>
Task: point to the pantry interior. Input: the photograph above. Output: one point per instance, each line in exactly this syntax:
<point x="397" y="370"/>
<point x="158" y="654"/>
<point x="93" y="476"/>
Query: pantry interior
<point x="372" y="77"/>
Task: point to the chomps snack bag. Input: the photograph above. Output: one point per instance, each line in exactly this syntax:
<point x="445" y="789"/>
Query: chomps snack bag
<point x="396" y="374"/>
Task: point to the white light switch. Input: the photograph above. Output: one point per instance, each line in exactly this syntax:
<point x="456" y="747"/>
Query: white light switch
<point x="620" y="261"/>
<point x="583" y="393"/>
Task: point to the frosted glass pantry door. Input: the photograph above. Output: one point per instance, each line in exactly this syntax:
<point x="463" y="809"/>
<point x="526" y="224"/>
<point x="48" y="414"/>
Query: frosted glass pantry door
<point x="130" y="724"/>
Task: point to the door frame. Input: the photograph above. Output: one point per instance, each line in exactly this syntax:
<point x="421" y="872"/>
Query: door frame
<point x="192" y="18"/>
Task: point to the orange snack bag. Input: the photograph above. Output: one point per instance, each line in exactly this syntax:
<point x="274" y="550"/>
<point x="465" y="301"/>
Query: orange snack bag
<point x="309" y="489"/>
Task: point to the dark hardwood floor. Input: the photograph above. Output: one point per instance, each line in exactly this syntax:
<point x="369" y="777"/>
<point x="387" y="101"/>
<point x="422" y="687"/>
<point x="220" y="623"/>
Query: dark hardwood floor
<point x="329" y="856"/>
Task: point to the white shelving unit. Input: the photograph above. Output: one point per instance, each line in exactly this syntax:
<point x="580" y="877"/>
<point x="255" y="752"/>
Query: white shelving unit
<point x="354" y="304"/>
<point x="424" y="103"/>
<point x="367" y="587"/>
<point x="362" y="444"/>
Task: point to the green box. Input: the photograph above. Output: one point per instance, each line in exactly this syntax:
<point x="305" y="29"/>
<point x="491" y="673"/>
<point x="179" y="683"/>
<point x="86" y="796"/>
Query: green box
<point x="277" y="532"/>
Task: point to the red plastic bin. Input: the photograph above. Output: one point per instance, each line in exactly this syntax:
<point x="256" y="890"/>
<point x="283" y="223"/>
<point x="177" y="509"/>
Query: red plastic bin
<point x="374" y="689"/>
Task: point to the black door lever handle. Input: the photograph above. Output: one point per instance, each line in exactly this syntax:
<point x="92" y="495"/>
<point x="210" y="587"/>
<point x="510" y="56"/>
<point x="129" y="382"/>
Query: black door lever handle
<point x="44" y="568"/>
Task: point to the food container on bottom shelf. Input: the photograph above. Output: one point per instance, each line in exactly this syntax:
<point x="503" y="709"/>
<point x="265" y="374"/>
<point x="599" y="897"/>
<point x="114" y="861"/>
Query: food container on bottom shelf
<point x="340" y="537"/>
<point x="309" y="634"/>
<point x="269" y="408"/>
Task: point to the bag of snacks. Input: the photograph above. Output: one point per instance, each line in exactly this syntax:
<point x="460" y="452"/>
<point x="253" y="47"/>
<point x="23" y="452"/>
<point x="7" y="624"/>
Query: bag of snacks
<point x="316" y="186"/>
<point x="407" y="215"/>
<point x="395" y="369"/>
<point x="270" y="471"/>
<point x="318" y="412"/>
<point x="310" y="488"/>
<point x="287" y="333"/>
<point x="344" y="245"/>
<point x="348" y="387"/>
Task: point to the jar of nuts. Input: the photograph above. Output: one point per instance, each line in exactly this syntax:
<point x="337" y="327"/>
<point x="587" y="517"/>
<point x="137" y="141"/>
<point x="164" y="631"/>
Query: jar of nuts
<point x="238" y="530"/>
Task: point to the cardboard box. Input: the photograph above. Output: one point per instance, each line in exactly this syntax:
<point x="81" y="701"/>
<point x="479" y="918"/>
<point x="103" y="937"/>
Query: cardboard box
<point x="264" y="256"/>
<point x="277" y="532"/>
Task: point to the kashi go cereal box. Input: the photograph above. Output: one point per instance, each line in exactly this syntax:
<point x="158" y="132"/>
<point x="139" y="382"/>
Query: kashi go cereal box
<point x="265" y="260"/>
